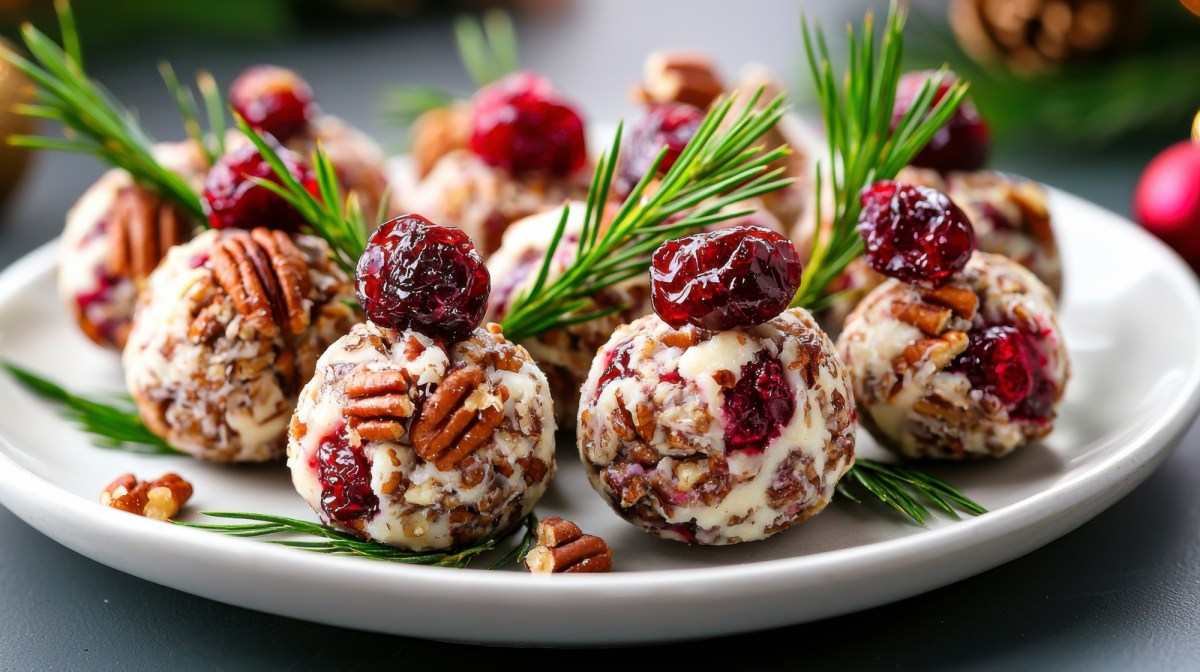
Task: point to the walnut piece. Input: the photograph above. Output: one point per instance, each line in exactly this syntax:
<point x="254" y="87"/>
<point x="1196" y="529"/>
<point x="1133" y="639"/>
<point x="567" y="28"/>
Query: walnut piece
<point x="563" y="548"/>
<point x="459" y="417"/>
<point x="159" y="499"/>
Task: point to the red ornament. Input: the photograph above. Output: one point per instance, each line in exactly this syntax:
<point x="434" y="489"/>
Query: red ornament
<point x="1167" y="199"/>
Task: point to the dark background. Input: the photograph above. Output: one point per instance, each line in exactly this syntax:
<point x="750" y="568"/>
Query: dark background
<point x="1121" y="592"/>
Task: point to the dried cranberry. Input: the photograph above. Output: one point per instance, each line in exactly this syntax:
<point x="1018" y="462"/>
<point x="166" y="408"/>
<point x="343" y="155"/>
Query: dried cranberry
<point x="735" y="277"/>
<point x="1002" y="361"/>
<point x="669" y="125"/>
<point x="520" y="124"/>
<point x="234" y="200"/>
<point x="616" y="365"/>
<point x="758" y="406"/>
<point x="914" y="233"/>
<point x="962" y="144"/>
<point x="416" y="275"/>
<point x="273" y="100"/>
<point x="345" y="477"/>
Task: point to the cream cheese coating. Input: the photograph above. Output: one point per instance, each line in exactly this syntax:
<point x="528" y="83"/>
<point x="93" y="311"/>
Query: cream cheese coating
<point x="414" y="503"/>
<point x="653" y="429"/>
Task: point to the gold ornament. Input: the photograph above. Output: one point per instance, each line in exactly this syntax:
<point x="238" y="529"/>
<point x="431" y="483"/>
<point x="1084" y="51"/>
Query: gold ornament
<point x="1032" y="35"/>
<point x="15" y="89"/>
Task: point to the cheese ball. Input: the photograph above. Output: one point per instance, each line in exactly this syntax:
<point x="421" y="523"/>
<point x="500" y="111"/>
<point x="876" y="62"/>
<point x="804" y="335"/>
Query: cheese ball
<point x="409" y="441"/>
<point x="227" y="331"/>
<point x="717" y="437"/>
<point x="974" y="368"/>
<point x="116" y="233"/>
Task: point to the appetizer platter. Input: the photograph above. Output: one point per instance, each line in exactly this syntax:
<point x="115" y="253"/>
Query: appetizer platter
<point x="737" y="374"/>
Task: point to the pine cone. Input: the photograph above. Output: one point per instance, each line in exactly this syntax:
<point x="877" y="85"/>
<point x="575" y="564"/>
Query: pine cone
<point x="1032" y="35"/>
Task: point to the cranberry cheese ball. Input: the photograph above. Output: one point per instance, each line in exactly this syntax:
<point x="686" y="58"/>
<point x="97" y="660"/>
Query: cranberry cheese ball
<point x="975" y="367"/>
<point x="227" y="331"/>
<point x="116" y="234"/>
<point x="717" y="437"/>
<point x="409" y="441"/>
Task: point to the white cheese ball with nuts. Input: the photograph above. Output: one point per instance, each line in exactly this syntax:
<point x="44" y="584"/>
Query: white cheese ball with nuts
<point x="975" y="368"/>
<point x="411" y="442"/>
<point x="228" y="329"/>
<point x="717" y="437"/>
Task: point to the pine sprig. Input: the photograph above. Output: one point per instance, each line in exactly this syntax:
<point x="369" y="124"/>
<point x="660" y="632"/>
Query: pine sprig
<point x="721" y="166"/>
<point x="338" y="220"/>
<point x="212" y="141"/>
<point x="113" y="424"/>
<point x="905" y="489"/>
<point x="487" y="49"/>
<point x="337" y="542"/>
<point x="863" y="146"/>
<point x="96" y="122"/>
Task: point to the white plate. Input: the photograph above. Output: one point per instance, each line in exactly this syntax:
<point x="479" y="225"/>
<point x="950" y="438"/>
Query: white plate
<point x="1132" y="318"/>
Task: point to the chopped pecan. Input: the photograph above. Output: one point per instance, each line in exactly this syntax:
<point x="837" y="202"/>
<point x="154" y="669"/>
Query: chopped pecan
<point x="266" y="277"/>
<point x="932" y="320"/>
<point x="679" y="76"/>
<point x="438" y="132"/>
<point x="142" y="228"/>
<point x="378" y="405"/>
<point x="452" y="423"/>
<point x="563" y="548"/>
<point x="160" y="499"/>
<point x="961" y="300"/>
<point x="940" y="351"/>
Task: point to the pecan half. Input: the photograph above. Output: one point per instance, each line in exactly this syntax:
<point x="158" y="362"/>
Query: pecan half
<point x="961" y="300"/>
<point x="932" y="320"/>
<point x="160" y="499"/>
<point x="679" y="76"/>
<point x="141" y="228"/>
<point x="379" y="404"/>
<point x="452" y="424"/>
<point x="266" y="277"/>
<point x="563" y="548"/>
<point x="438" y="132"/>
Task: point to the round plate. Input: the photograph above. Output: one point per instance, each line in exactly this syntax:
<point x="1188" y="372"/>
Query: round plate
<point x="1132" y="319"/>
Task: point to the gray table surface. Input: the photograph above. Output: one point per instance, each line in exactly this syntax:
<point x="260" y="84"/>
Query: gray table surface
<point x="1121" y="592"/>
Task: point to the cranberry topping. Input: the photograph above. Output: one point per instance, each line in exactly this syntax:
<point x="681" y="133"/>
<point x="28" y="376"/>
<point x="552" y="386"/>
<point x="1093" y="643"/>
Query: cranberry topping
<point x="962" y="144"/>
<point x="234" y="200"/>
<point x="273" y="100"/>
<point x="735" y="277"/>
<point x="616" y="365"/>
<point x="670" y="126"/>
<point x="345" y="477"/>
<point x="417" y="275"/>
<point x="1002" y="361"/>
<point x="520" y="124"/>
<point x="914" y="233"/>
<point x="758" y="406"/>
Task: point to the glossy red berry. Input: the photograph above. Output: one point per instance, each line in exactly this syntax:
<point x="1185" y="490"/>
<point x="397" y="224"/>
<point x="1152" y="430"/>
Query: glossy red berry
<point x="416" y="275"/>
<point x="1002" y="361"/>
<point x="616" y="366"/>
<point x="735" y="277"/>
<point x="520" y="124"/>
<point x="913" y="233"/>
<point x="345" y="478"/>
<point x="758" y="406"/>
<point x="273" y="100"/>
<point x="669" y="125"/>
<point x="962" y="144"/>
<point x="234" y="200"/>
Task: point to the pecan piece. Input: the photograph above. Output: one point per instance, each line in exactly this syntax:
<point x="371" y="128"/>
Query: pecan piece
<point x="450" y="428"/>
<point x="438" y="132"/>
<point x="378" y="404"/>
<point x="679" y="76"/>
<point x="563" y="548"/>
<point x="266" y="278"/>
<point x="941" y="351"/>
<point x="142" y="228"/>
<point x="160" y="499"/>
<point x="961" y="300"/>
<point x="932" y="320"/>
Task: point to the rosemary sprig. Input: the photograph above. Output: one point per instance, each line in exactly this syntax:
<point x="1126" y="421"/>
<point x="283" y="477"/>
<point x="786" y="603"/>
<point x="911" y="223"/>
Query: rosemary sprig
<point x="904" y="488"/>
<point x="96" y="122"/>
<point x="337" y="542"/>
<point x="111" y="424"/>
<point x="863" y="147"/>
<point x="487" y="50"/>
<point x="340" y="221"/>
<point x="212" y="141"/>
<point x="721" y="166"/>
